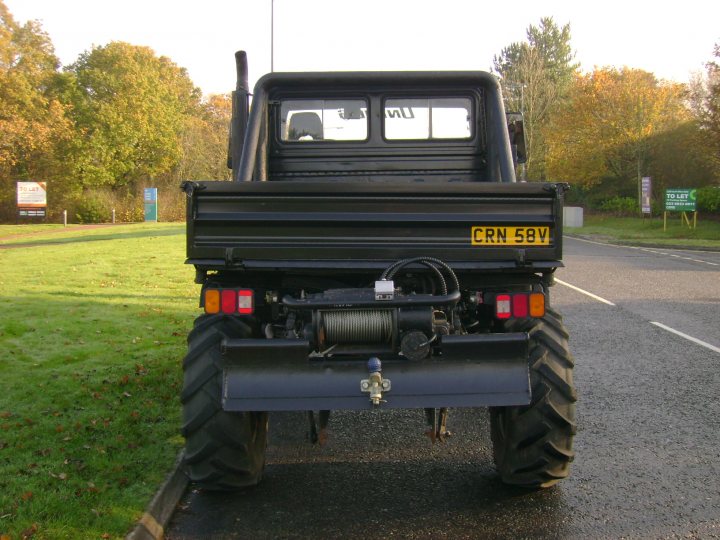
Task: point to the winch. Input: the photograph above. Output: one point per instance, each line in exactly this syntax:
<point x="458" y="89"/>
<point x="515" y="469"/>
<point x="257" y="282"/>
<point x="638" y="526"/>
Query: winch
<point x="384" y="318"/>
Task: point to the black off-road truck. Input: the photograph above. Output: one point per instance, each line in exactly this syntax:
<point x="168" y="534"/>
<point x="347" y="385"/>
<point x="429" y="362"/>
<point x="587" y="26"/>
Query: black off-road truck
<point x="375" y="251"/>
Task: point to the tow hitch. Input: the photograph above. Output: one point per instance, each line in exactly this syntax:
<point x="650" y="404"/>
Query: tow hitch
<point x="375" y="385"/>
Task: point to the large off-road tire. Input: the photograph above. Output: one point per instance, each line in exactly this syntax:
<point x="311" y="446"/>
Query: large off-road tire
<point x="532" y="445"/>
<point x="223" y="450"/>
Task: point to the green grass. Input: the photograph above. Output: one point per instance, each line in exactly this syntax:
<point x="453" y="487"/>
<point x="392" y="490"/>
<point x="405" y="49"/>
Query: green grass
<point x="650" y="231"/>
<point x="33" y="235"/>
<point x="11" y="230"/>
<point x="92" y="335"/>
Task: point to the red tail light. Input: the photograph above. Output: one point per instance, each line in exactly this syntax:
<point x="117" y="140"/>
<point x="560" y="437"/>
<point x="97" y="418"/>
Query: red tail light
<point x="519" y="305"/>
<point x="229" y="301"/>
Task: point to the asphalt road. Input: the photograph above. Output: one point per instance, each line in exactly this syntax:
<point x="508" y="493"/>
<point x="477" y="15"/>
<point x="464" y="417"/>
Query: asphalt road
<point x="648" y="441"/>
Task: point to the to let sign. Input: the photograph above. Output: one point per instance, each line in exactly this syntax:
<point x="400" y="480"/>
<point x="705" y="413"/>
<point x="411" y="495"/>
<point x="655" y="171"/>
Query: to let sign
<point x="680" y="200"/>
<point x="32" y="199"/>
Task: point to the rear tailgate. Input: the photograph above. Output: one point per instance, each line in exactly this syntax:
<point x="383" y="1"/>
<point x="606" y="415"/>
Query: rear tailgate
<point x="341" y="224"/>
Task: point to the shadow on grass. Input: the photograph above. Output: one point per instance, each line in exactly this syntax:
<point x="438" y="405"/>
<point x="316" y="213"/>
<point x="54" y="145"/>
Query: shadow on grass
<point x="147" y="233"/>
<point x="113" y="296"/>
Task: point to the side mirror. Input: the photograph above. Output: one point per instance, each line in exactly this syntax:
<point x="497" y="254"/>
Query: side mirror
<point x="517" y="137"/>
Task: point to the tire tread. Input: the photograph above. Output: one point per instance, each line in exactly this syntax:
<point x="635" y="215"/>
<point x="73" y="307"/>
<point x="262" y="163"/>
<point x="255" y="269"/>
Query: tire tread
<point x="532" y="444"/>
<point x="223" y="450"/>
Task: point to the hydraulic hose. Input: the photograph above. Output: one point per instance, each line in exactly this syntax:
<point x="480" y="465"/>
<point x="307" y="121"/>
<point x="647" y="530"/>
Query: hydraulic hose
<point x="430" y="262"/>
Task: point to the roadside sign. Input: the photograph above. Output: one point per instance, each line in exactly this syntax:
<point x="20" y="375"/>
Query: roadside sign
<point x="680" y="200"/>
<point x="646" y="195"/>
<point x="151" y="204"/>
<point x="32" y="199"/>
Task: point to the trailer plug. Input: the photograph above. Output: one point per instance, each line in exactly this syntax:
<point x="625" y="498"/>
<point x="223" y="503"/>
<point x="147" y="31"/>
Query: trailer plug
<point x="375" y="385"/>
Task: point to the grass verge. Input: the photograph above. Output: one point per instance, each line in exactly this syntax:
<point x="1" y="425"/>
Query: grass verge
<point x="33" y="235"/>
<point x="650" y="231"/>
<point x="92" y="334"/>
<point x="12" y="230"/>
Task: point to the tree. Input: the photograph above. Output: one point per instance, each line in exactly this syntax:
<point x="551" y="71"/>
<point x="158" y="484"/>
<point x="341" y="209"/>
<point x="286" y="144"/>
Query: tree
<point x="117" y="119"/>
<point x="621" y="124"/>
<point x="131" y="108"/>
<point x="705" y="100"/>
<point x="32" y="117"/>
<point x="204" y="141"/>
<point x="536" y="76"/>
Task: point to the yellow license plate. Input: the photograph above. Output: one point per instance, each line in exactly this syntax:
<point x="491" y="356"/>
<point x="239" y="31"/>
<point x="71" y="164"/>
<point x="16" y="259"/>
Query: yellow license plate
<point x="510" y="236"/>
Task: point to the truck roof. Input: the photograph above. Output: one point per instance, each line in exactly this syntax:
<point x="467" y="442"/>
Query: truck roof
<point x="364" y="79"/>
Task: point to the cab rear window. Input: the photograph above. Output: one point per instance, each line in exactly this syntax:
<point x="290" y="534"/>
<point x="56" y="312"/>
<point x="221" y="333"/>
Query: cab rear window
<point x="427" y="118"/>
<point x="312" y="120"/>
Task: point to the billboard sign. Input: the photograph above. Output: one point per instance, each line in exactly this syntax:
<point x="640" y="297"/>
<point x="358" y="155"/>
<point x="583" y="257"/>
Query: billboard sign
<point x="646" y="195"/>
<point x="681" y="200"/>
<point x="32" y="199"/>
<point x="151" y="204"/>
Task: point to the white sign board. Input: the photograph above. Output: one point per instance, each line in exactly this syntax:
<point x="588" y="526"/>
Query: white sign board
<point x="32" y="194"/>
<point x="646" y="195"/>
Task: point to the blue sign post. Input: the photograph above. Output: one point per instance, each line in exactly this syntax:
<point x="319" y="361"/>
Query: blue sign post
<point x="151" y="204"/>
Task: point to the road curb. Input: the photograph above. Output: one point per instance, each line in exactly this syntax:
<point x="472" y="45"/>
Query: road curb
<point x="158" y="513"/>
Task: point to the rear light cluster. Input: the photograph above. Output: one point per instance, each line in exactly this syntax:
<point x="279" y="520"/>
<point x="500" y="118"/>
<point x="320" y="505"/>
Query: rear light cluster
<point x="229" y="301"/>
<point x="519" y="305"/>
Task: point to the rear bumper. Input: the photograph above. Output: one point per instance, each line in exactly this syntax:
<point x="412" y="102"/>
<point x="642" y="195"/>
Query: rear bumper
<point x="473" y="371"/>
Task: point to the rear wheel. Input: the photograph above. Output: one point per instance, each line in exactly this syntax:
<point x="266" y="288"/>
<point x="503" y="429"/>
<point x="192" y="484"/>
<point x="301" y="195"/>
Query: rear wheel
<point x="223" y="450"/>
<point x="532" y="444"/>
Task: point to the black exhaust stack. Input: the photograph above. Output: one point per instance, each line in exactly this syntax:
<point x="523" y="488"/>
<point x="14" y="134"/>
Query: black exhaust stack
<point x="240" y="112"/>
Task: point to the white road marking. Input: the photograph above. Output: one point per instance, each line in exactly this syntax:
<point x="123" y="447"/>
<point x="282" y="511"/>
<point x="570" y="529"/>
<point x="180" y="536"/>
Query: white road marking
<point x="677" y="256"/>
<point x="648" y="250"/>
<point x="689" y="338"/>
<point x="591" y="295"/>
<point x="594" y="242"/>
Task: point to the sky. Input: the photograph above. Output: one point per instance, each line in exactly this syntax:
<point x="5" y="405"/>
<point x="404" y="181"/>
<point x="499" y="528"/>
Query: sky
<point x="671" y="40"/>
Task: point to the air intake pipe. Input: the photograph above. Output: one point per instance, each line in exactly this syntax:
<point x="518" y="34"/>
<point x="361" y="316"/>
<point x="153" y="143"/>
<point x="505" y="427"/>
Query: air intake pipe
<point x="240" y="112"/>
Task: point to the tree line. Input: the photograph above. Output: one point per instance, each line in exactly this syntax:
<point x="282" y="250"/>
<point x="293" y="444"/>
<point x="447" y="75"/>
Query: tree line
<point x="604" y="130"/>
<point x="117" y="120"/>
<point x="121" y="118"/>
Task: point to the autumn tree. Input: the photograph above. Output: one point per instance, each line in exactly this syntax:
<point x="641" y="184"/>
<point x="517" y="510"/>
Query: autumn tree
<point x="621" y="124"/>
<point x="32" y="118"/>
<point x="131" y="108"/>
<point x="535" y="76"/>
<point x="116" y="120"/>
<point x="204" y="141"/>
<point x="705" y="99"/>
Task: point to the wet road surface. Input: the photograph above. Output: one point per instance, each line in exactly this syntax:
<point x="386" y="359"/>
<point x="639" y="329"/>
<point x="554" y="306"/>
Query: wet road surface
<point x="647" y="448"/>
